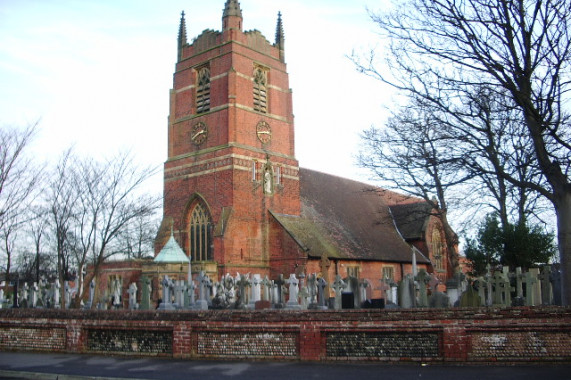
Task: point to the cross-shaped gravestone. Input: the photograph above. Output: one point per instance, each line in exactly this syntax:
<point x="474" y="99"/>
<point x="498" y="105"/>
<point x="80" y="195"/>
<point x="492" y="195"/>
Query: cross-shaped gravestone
<point x="280" y="282"/>
<point x="546" y="289"/>
<point x="556" y="286"/>
<point x="179" y="289"/>
<point x="530" y="280"/>
<point x="338" y="286"/>
<point x="384" y="287"/>
<point x="255" y="290"/>
<point x="502" y="288"/>
<point x="242" y="283"/>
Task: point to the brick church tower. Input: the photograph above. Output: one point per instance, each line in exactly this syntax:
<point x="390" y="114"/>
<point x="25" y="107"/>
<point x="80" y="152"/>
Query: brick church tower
<point x="231" y="157"/>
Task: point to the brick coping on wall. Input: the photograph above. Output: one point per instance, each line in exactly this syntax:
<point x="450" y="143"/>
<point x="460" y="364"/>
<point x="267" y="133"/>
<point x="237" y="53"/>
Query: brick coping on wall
<point x="435" y="335"/>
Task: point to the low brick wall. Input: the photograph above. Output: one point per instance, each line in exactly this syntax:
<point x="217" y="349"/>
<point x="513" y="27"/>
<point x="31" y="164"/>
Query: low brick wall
<point x="451" y="335"/>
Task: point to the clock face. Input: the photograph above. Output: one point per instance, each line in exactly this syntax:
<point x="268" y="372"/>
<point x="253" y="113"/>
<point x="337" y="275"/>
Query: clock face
<point x="264" y="132"/>
<point x="199" y="133"/>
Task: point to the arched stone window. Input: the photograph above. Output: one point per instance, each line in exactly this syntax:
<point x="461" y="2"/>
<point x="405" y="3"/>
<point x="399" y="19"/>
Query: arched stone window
<point x="200" y="234"/>
<point x="203" y="90"/>
<point x="437" y="249"/>
<point x="260" y="90"/>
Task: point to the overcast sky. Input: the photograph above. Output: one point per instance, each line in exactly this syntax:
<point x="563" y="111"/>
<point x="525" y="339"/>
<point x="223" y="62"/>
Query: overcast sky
<point x="97" y="73"/>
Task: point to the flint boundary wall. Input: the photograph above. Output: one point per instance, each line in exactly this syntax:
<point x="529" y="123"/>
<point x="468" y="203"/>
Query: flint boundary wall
<point x="540" y="334"/>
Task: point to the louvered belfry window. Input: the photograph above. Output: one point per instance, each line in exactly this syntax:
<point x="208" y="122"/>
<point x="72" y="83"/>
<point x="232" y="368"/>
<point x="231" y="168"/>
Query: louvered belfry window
<point x="260" y="90"/>
<point x="200" y="235"/>
<point x="203" y="90"/>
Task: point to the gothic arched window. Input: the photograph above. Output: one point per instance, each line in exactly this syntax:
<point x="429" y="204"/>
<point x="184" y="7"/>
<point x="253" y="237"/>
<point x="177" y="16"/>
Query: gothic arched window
<point x="437" y="249"/>
<point x="260" y="90"/>
<point x="200" y="235"/>
<point x="203" y="90"/>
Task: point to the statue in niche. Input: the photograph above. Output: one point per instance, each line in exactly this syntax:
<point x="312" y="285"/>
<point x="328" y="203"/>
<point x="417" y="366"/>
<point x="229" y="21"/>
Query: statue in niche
<point x="267" y="181"/>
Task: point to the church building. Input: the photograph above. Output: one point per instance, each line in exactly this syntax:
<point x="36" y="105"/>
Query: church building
<point x="235" y="197"/>
<point x="234" y="194"/>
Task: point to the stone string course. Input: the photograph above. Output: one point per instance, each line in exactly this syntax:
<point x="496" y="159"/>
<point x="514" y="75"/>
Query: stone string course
<point x="450" y="335"/>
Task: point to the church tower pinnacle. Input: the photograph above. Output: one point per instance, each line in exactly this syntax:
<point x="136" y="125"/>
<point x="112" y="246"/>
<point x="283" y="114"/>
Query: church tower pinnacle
<point x="232" y="16"/>
<point x="181" y="35"/>
<point x="280" y="37"/>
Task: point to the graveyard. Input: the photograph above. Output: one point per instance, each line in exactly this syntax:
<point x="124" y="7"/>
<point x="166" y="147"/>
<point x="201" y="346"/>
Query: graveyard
<point x="502" y="316"/>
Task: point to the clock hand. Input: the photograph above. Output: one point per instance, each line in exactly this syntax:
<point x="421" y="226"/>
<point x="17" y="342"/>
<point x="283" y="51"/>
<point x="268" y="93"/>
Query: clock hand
<point x="197" y="134"/>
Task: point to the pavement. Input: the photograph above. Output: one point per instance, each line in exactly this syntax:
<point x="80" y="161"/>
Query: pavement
<point x="40" y="366"/>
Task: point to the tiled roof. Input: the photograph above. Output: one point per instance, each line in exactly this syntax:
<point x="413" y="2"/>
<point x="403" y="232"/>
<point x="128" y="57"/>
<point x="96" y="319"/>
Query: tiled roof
<point x="411" y="219"/>
<point x="346" y="219"/>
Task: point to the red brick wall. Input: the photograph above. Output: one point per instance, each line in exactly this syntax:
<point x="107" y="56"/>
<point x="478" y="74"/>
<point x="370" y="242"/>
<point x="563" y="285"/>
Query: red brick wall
<point x="454" y="335"/>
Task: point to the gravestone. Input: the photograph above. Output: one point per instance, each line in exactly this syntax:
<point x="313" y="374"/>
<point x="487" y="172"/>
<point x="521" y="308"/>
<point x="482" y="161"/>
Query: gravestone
<point x="422" y="279"/>
<point x="179" y="289"/>
<point x="255" y="291"/>
<point x="145" y="293"/>
<point x="535" y="286"/>
<point x="470" y="298"/>
<point x="33" y="295"/>
<point x="406" y="292"/>
<point x="501" y="288"/>
<point x="546" y="290"/>
<point x="438" y="300"/>
<point x="338" y="286"/>
<point x="266" y="289"/>
<point x="203" y="282"/>
<point x="312" y="288"/>
<point x="279" y="283"/>
<point x="133" y="305"/>
<point x="556" y="286"/>
<point x="293" y="283"/>
<point x="191" y="295"/>
<point x="321" y="296"/>
<point x="168" y="286"/>
<point x="303" y="293"/>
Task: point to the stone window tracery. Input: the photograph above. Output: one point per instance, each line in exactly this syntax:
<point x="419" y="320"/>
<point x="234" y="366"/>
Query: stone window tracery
<point x="437" y="249"/>
<point x="203" y="90"/>
<point x="200" y="234"/>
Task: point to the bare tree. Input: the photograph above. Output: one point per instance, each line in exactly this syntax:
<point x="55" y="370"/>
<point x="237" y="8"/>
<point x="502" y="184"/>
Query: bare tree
<point x="111" y="199"/>
<point x="413" y="155"/>
<point x="61" y="197"/>
<point x="138" y="238"/>
<point x="439" y="48"/>
<point x="19" y="178"/>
